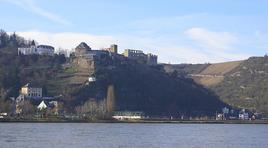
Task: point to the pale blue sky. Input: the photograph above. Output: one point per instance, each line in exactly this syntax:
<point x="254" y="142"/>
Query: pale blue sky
<point x="179" y="31"/>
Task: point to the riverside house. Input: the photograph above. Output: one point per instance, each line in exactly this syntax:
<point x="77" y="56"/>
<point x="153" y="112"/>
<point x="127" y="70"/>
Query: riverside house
<point x="128" y="115"/>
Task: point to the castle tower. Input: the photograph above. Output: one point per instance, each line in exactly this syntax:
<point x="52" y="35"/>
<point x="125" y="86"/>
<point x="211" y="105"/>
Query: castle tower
<point x="82" y="49"/>
<point x="114" y="48"/>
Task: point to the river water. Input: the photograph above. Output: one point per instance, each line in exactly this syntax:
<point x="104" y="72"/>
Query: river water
<point x="115" y="135"/>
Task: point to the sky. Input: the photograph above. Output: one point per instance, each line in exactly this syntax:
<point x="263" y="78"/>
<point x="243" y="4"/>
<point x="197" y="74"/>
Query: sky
<point x="178" y="31"/>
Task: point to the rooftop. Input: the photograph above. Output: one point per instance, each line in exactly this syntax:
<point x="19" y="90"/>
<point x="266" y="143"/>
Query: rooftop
<point x="83" y="45"/>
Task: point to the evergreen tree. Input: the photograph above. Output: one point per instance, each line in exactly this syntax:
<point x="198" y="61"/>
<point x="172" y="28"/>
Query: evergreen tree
<point x="110" y="100"/>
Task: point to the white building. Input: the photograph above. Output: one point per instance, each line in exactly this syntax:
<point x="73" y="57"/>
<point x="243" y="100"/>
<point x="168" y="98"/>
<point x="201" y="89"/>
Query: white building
<point x="91" y="79"/>
<point x="45" y="50"/>
<point x="225" y="110"/>
<point x="42" y="105"/>
<point x="27" y="50"/>
<point x="31" y="92"/>
<point x="3" y="115"/>
<point x="128" y="115"/>
<point x="220" y="117"/>
<point x="244" y="116"/>
<point x="33" y="49"/>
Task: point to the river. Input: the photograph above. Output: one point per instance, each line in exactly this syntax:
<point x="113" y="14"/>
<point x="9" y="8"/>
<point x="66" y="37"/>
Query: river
<point x="126" y="135"/>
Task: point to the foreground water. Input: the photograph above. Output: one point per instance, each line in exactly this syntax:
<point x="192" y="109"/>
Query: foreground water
<point x="108" y="135"/>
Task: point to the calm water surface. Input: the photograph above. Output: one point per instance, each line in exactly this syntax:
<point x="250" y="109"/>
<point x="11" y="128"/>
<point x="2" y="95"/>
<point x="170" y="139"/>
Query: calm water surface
<point x="105" y="135"/>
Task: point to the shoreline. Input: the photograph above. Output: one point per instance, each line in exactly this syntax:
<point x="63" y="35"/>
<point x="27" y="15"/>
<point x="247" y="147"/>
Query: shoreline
<point x="137" y="121"/>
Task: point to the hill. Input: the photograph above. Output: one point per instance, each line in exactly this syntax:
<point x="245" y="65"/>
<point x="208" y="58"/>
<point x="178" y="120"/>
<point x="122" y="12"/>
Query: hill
<point x="215" y="73"/>
<point x="205" y="74"/>
<point x="137" y="87"/>
<point x="185" y="69"/>
<point x="241" y="84"/>
<point x="246" y="86"/>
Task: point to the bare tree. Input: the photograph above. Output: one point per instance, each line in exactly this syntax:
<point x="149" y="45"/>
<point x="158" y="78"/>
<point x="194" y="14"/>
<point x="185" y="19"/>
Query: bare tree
<point x="28" y="108"/>
<point x="5" y="106"/>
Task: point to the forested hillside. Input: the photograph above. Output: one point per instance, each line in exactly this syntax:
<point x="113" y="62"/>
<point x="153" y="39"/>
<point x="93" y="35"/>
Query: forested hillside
<point x="137" y="87"/>
<point x="150" y="89"/>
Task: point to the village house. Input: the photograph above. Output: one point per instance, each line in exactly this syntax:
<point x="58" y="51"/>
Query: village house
<point x="42" y="106"/>
<point x="3" y="115"/>
<point x="243" y="115"/>
<point x="220" y="116"/>
<point x="34" y="49"/>
<point x="31" y="92"/>
<point x="91" y="79"/>
<point x="35" y="97"/>
<point x="226" y="114"/>
<point x="26" y="92"/>
<point x="50" y="106"/>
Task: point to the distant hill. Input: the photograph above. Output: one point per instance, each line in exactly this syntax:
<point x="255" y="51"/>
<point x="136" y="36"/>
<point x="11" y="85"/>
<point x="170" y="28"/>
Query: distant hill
<point x="242" y="84"/>
<point x="220" y="68"/>
<point x="185" y="69"/>
<point x="215" y="73"/>
<point x="246" y="86"/>
<point x="205" y="74"/>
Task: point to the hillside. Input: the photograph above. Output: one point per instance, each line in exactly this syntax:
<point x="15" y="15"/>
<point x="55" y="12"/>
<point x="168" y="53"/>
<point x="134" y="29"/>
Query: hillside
<point x="206" y="74"/>
<point x="137" y="87"/>
<point x="240" y="83"/>
<point x="246" y="86"/>
<point x="16" y="71"/>
<point x="215" y="73"/>
<point x="140" y="87"/>
<point x="220" y="68"/>
<point x="185" y="69"/>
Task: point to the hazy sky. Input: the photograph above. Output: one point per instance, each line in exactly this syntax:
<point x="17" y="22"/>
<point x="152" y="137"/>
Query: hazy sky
<point x="179" y="31"/>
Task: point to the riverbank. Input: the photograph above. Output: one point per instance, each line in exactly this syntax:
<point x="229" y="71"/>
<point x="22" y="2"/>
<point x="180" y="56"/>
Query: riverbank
<point x="136" y="121"/>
